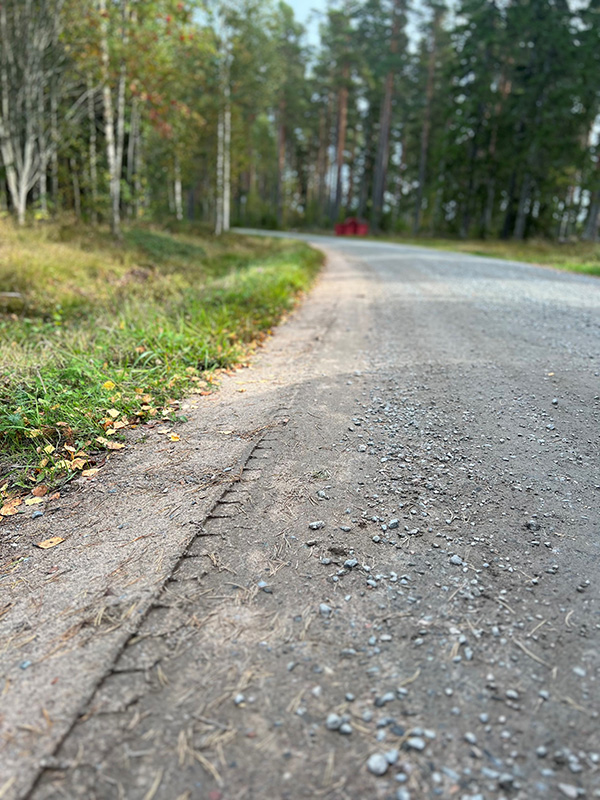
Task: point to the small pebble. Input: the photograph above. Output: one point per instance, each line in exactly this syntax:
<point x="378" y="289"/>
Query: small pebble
<point x="416" y="743"/>
<point x="377" y="764"/>
<point x="569" y="791"/>
<point x="333" y="722"/>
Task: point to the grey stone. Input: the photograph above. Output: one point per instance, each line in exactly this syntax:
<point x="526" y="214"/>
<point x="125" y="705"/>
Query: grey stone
<point x="333" y="722"/>
<point x="377" y="764"/>
<point x="416" y="743"/>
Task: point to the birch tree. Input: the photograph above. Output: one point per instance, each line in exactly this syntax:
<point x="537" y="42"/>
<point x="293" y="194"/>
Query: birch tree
<point x="31" y="60"/>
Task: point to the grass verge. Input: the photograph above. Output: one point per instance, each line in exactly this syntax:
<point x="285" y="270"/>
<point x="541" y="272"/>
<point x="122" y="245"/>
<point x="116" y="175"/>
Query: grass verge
<point x="97" y="337"/>
<point x="581" y="257"/>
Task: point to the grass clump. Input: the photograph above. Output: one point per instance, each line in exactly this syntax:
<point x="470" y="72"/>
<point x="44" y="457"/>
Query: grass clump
<point x="96" y="337"/>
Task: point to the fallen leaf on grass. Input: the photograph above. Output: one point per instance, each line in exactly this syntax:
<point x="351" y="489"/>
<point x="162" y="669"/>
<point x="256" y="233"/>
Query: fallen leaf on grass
<point x="108" y="385"/>
<point x="48" y="543"/>
<point x="89" y="473"/>
<point x="33" y="501"/>
<point x="113" y="412"/>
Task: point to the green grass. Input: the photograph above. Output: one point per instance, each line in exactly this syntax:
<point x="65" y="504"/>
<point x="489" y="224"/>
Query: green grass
<point x="575" y="257"/>
<point x="105" y="336"/>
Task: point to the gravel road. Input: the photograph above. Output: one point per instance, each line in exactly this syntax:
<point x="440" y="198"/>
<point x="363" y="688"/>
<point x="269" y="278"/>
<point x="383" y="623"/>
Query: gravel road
<point x="396" y="594"/>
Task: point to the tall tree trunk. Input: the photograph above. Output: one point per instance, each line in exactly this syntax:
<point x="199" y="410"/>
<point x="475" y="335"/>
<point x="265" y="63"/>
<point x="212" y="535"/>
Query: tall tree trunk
<point x="341" y="140"/>
<point x="120" y="121"/>
<point x="426" y="130"/>
<point x="592" y="222"/>
<point x="280" y="162"/>
<point x="509" y="216"/>
<point x="219" y="186"/>
<point x="76" y="187"/>
<point x="134" y="121"/>
<point x="488" y="213"/>
<point x="385" y="123"/>
<point x="109" y="129"/>
<point x="227" y="158"/>
<point x="381" y="160"/>
<point x="323" y="168"/>
<point x="522" y="210"/>
<point x="93" y="149"/>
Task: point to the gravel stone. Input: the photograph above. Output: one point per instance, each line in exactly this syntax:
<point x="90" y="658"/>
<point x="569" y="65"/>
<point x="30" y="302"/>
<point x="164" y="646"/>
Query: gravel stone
<point x="416" y="743"/>
<point x="333" y="722"/>
<point x="378" y="764"/>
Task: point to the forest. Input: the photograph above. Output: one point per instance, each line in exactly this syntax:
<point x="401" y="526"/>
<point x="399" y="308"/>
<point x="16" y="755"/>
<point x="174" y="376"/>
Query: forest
<point x="479" y="119"/>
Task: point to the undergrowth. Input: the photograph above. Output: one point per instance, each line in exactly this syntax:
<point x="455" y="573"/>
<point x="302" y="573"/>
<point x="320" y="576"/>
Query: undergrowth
<point x="96" y="337"/>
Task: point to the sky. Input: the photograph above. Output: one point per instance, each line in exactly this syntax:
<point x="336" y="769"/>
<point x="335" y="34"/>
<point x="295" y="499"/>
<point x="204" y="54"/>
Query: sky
<point x="303" y="9"/>
<point x="307" y="12"/>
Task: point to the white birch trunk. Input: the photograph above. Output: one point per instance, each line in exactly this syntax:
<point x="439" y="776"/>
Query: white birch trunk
<point x="227" y="158"/>
<point x="178" y="191"/>
<point x="220" y="159"/>
<point x="109" y="132"/>
<point x="93" y="151"/>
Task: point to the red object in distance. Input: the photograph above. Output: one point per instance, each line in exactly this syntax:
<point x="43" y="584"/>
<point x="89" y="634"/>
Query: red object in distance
<point x="351" y="227"/>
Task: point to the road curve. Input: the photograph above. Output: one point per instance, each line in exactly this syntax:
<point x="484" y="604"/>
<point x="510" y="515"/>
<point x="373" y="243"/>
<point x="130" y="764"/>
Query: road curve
<point x="398" y="597"/>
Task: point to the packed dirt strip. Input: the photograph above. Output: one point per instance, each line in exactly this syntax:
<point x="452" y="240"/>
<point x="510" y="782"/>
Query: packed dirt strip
<point x="369" y="572"/>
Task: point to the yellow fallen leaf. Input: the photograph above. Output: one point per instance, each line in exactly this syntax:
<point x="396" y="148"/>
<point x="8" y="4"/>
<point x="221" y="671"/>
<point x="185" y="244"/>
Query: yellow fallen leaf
<point x="174" y="438"/>
<point x="49" y="448"/>
<point x="89" y="473"/>
<point x="33" y="501"/>
<point x="8" y="511"/>
<point x="78" y="463"/>
<point x="113" y="412"/>
<point x="115" y="445"/>
<point x="48" y="543"/>
<point x="69" y="449"/>
<point x="120" y="424"/>
<point x="108" y="385"/>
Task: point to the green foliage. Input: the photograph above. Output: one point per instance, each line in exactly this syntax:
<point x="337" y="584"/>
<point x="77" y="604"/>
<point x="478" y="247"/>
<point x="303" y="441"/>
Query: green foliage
<point x="138" y="338"/>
